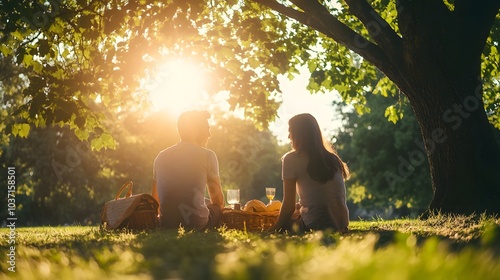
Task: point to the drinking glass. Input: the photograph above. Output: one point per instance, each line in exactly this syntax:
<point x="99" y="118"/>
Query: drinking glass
<point x="233" y="197"/>
<point x="270" y="193"/>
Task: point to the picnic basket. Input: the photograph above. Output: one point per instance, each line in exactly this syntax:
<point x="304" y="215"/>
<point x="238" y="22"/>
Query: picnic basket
<point x="134" y="212"/>
<point x="250" y="221"/>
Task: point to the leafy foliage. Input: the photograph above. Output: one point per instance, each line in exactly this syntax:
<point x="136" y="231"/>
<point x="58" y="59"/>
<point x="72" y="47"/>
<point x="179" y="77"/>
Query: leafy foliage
<point x="78" y="53"/>
<point x="490" y="71"/>
<point x="390" y="172"/>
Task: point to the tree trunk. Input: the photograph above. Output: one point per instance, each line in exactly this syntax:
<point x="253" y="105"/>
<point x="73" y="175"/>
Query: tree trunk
<point x="464" y="158"/>
<point x="442" y="67"/>
<point x="441" y="77"/>
<point x="463" y="155"/>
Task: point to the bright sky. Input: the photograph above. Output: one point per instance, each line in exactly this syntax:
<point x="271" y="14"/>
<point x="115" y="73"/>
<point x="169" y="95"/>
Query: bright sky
<point x="297" y="99"/>
<point x="176" y="77"/>
<point x="178" y="87"/>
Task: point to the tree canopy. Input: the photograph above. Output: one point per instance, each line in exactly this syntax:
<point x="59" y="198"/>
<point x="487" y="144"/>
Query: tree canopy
<point x="72" y="53"/>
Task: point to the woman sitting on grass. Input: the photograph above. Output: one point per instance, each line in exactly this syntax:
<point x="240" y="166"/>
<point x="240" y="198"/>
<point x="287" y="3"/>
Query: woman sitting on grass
<point x="315" y="172"/>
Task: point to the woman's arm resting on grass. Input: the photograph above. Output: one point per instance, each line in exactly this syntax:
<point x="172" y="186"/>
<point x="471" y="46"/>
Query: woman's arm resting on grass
<point x="288" y="206"/>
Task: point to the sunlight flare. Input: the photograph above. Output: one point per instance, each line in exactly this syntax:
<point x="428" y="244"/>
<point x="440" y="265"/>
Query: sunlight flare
<point x="178" y="86"/>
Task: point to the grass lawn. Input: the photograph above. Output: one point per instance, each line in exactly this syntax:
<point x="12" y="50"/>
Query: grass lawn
<point x="441" y="247"/>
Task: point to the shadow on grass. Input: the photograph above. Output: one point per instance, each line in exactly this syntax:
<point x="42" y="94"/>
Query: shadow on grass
<point x="173" y="254"/>
<point x="488" y="240"/>
<point x="163" y="254"/>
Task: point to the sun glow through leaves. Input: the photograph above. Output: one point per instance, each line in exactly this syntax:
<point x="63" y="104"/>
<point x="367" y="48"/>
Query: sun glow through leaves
<point x="178" y="86"/>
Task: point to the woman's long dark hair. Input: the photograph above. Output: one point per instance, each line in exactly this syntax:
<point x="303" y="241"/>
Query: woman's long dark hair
<point x="306" y="137"/>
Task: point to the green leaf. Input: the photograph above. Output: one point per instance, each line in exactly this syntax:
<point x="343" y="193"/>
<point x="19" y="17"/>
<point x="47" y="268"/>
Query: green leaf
<point x="494" y="53"/>
<point x="57" y="27"/>
<point x="5" y="50"/>
<point x="312" y="65"/>
<point x="105" y="140"/>
<point x="275" y="70"/>
<point x="16" y="34"/>
<point x="392" y="114"/>
<point x="21" y="130"/>
<point x="82" y="134"/>
<point x="37" y="66"/>
<point x="225" y="52"/>
<point x="253" y="62"/>
<point x="108" y="141"/>
<point x="96" y="144"/>
<point x="234" y="66"/>
<point x="327" y="83"/>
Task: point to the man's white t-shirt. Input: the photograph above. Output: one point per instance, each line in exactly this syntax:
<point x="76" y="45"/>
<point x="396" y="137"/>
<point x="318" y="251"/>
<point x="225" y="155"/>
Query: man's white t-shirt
<point x="323" y="205"/>
<point x="181" y="172"/>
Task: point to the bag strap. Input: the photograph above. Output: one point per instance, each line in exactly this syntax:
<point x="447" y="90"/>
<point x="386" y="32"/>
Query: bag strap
<point x="128" y="185"/>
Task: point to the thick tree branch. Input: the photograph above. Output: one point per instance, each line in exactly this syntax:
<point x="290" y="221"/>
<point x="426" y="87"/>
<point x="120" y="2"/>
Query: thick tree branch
<point x="416" y="16"/>
<point x="317" y="17"/>
<point x="377" y="27"/>
<point x="475" y="20"/>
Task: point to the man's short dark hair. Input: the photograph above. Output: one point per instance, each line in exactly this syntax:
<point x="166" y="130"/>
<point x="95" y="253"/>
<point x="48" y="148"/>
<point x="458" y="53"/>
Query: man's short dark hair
<point x="190" y="123"/>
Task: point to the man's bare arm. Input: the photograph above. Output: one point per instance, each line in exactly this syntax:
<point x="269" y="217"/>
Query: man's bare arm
<point x="215" y="192"/>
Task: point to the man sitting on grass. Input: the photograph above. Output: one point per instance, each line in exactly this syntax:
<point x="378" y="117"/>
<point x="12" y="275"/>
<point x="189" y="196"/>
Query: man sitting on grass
<point x="182" y="173"/>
